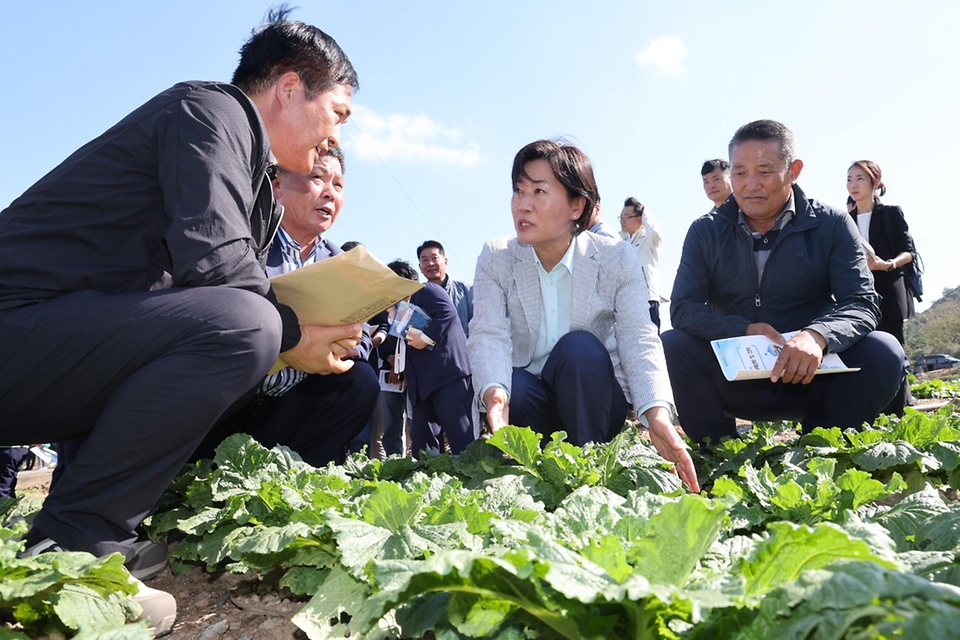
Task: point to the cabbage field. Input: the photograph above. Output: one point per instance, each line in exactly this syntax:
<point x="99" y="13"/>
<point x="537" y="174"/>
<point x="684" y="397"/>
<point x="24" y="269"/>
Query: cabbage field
<point x="833" y="534"/>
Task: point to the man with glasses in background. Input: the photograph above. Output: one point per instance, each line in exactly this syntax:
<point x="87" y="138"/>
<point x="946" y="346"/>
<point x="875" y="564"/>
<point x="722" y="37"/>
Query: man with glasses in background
<point x="641" y="230"/>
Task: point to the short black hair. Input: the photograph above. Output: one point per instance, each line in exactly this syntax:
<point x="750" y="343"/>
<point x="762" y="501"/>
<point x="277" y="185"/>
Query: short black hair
<point x="430" y="244"/>
<point x="280" y="45"/>
<point x="764" y="130"/>
<point x="571" y="167"/>
<point x="337" y="152"/>
<point x="709" y="166"/>
<point x="350" y="244"/>
<point x="404" y="269"/>
<point x="637" y="206"/>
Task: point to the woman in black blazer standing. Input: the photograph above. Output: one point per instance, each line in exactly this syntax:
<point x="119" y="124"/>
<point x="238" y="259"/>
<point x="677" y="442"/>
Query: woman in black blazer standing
<point x="889" y="248"/>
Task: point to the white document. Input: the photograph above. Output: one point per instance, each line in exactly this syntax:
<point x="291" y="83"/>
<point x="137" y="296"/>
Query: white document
<point x="46" y="455"/>
<point x="400" y="357"/>
<point x="753" y="357"/>
<point x="386" y="385"/>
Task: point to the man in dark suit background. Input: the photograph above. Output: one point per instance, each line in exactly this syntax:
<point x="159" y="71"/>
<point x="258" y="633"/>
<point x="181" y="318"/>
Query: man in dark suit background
<point x="433" y="265"/>
<point x="438" y="375"/>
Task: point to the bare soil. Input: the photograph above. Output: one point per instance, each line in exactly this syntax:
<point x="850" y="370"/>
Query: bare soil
<point x="229" y="607"/>
<point x="219" y="606"/>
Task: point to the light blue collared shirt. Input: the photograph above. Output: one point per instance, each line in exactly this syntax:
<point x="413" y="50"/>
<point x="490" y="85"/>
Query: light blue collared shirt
<point x="556" y="301"/>
<point x="556" y="296"/>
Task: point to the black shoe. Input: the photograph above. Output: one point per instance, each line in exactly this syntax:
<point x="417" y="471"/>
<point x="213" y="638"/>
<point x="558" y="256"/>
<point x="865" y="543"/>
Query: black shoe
<point x="146" y="559"/>
<point x="44" y="545"/>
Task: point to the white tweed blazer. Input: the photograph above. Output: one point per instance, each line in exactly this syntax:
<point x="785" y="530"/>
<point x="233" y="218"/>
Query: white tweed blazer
<point x="610" y="301"/>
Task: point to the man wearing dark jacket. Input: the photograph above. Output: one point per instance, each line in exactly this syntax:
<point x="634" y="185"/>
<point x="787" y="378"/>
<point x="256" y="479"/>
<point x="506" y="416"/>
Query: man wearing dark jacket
<point x="433" y="265"/>
<point x="134" y="306"/>
<point x="768" y="262"/>
<point x="438" y="376"/>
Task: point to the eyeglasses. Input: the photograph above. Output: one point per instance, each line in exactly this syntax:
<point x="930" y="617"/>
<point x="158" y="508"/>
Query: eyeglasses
<point x="623" y="217"/>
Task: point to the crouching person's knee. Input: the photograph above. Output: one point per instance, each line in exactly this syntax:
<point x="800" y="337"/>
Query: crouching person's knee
<point x="246" y="333"/>
<point x="886" y="362"/>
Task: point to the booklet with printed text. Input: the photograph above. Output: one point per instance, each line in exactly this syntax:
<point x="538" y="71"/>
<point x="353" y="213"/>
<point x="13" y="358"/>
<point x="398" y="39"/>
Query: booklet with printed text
<point x="409" y="317"/>
<point x="753" y="357"/>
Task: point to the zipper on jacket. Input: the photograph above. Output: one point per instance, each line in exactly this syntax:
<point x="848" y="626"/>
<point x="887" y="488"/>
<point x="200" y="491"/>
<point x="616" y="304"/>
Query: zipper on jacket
<point x="756" y="299"/>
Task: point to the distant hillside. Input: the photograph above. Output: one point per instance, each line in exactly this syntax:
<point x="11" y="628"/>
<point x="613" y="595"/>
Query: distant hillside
<point x="936" y="330"/>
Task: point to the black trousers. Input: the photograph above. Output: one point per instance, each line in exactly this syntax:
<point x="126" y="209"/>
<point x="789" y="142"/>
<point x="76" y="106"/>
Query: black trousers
<point x="448" y="411"/>
<point x="892" y="323"/>
<point x="142" y="377"/>
<point x="317" y="418"/>
<point x="655" y="313"/>
<point x="10" y="460"/>
<point x="708" y="404"/>
<point x="577" y="392"/>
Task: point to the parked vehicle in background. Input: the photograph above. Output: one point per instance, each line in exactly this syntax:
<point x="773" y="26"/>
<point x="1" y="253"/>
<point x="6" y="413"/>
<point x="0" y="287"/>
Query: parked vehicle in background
<point x="934" y="362"/>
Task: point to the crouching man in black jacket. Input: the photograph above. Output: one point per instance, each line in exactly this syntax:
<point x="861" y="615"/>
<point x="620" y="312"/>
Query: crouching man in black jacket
<point x="134" y="305"/>
<point x="772" y="261"/>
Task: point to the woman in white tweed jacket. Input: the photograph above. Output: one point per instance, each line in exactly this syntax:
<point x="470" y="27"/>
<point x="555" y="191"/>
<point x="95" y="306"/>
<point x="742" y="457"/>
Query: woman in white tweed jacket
<point x="561" y="337"/>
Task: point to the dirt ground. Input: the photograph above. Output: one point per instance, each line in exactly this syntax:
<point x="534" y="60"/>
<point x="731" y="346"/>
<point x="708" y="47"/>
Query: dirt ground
<point x="228" y="607"/>
<point x="214" y="606"/>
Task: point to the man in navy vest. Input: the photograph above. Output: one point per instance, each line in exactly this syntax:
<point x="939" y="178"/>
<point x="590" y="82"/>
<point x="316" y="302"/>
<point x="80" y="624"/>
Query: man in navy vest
<point x="315" y="415"/>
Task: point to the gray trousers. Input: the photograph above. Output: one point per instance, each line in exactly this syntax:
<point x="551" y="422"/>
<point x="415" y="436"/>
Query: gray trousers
<point x="142" y="377"/>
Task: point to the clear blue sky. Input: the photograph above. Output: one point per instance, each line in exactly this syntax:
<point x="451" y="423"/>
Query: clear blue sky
<point x="449" y="91"/>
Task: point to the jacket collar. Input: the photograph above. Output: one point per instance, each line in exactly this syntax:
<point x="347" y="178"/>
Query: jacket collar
<point x="876" y="205"/>
<point x="584" y="279"/>
<point x="804" y="218"/>
<point x="585" y="274"/>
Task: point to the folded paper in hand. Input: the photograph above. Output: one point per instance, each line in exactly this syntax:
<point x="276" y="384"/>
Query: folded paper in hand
<point x="350" y="287"/>
<point x="753" y="357"/>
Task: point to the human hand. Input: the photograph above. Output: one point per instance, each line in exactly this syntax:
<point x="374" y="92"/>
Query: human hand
<point x="671" y="446"/>
<point x="874" y="263"/>
<point x="498" y="408"/>
<point x="323" y="349"/>
<point x="764" y="329"/>
<point x="799" y="358"/>
<point x="415" y="339"/>
<point x="346" y="348"/>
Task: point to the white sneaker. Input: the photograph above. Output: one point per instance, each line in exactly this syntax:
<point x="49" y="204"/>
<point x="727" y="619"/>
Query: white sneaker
<point x="159" y="608"/>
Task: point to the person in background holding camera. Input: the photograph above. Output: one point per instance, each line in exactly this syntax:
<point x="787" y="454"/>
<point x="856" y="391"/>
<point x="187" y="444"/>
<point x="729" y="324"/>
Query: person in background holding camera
<point x="889" y="249"/>
<point x="640" y="229"/>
